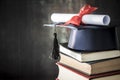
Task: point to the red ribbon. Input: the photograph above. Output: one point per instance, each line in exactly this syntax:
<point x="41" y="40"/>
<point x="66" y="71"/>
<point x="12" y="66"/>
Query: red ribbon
<point x="77" y="19"/>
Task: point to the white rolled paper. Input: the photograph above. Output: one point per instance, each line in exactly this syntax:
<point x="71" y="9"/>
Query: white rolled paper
<point x="95" y="19"/>
<point x="61" y="17"/>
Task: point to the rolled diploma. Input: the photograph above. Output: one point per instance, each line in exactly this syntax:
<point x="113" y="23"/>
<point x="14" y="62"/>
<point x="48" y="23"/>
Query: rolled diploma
<point x="95" y="19"/>
<point x="61" y="17"/>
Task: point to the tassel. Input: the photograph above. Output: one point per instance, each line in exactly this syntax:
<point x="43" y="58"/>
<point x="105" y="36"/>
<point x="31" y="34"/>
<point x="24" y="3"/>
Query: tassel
<point x="55" y="53"/>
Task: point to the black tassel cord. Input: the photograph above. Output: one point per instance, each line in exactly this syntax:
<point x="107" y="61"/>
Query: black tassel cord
<point x="55" y="52"/>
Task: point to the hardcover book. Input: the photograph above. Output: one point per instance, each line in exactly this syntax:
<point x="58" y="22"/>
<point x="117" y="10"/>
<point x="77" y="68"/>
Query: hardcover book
<point x="67" y="73"/>
<point x="84" y="56"/>
<point x="92" y="67"/>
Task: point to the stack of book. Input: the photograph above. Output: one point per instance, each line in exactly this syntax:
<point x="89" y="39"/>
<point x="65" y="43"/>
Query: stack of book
<point x="77" y="65"/>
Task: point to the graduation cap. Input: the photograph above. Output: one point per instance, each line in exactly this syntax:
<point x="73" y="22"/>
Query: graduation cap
<point x="87" y="33"/>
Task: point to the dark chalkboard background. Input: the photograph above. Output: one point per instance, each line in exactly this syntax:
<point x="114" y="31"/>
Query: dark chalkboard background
<point x="25" y="45"/>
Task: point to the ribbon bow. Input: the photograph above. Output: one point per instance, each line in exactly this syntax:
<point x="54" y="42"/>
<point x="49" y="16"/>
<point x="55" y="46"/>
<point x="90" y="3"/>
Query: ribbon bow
<point x="77" y="19"/>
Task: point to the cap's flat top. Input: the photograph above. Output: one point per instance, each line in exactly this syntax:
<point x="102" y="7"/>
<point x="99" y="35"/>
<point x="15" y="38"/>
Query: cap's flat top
<point x="81" y="26"/>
